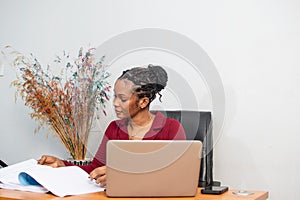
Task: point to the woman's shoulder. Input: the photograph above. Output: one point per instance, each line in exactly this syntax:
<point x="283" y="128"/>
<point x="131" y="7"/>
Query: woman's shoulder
<point x="162" y="120"/>
<point x="172" y="122"/>
<point x="116" y="124"/>
<point x="115" y="128"/>
<point x="170" y="127"/>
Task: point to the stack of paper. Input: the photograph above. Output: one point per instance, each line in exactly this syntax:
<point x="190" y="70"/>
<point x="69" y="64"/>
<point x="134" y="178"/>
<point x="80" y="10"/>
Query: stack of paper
<point x="62" y="181"/>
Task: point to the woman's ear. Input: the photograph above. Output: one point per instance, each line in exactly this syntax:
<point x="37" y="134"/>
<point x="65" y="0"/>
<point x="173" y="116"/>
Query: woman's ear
<point x="144" y="102"/>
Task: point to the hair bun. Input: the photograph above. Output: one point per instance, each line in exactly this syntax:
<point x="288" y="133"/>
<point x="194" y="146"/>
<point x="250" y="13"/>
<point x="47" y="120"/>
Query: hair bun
<point x="160" y="74"/>
<point x="149" y="81"/>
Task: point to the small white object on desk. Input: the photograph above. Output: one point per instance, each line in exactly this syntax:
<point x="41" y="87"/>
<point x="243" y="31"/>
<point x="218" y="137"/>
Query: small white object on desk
<point x="1" y="69"/>
<point x="242" y="192"/>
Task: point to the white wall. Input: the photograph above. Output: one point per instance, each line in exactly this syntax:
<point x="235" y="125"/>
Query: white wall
<point x="253" y="44"/>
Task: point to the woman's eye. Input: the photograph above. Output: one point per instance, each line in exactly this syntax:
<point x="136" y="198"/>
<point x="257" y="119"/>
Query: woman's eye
<point x="123" y="99"/>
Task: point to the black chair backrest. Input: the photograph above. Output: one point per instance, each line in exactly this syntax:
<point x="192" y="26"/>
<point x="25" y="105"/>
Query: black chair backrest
<point x="198" y="126"/>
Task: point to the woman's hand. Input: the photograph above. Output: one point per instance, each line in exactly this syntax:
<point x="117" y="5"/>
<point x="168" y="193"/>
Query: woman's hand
<point x="99" y="174"/>
<point x="51" y="161"/>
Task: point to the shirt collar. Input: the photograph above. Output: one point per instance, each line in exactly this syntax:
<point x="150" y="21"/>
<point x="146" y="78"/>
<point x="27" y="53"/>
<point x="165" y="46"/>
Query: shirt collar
<point x="158" y="123"/>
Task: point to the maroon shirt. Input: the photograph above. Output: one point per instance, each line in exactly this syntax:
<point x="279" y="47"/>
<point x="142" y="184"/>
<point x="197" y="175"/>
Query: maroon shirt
<point x="162" y="129"/>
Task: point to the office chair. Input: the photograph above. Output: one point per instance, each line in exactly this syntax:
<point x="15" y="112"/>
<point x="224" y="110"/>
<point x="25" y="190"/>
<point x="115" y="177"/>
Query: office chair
<point x="198" y="126"/>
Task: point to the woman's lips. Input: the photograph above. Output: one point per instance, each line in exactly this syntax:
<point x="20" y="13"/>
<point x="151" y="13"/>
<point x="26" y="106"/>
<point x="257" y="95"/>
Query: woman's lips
<point x="118" y="112"/>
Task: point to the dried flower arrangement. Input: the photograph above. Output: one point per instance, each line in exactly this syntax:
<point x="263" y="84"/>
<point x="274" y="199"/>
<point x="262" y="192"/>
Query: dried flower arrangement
<point x="66" y="103"/>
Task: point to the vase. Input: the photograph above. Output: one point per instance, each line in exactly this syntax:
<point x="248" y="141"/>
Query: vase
<point x="86" y="161"/>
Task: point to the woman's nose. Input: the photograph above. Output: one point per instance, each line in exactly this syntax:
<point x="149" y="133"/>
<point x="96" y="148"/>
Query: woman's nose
<point x="115" y="102"/>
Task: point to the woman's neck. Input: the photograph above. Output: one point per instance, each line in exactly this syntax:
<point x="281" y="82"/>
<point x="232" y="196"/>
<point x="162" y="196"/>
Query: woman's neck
<point x="141" y="119"/>
<point x="139" y="126"/>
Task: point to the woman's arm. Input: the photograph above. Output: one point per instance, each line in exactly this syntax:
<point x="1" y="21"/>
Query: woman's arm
<point x="100" y="157"/>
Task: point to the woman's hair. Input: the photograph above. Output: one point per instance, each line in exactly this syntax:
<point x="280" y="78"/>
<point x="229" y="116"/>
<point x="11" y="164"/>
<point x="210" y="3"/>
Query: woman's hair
<point x="149" y="80"/>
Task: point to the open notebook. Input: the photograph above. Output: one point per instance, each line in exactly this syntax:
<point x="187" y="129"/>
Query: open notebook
<point x="156" y="168"/>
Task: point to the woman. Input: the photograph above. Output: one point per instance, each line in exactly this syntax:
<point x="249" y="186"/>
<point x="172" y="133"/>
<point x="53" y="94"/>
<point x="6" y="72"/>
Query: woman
<point x="134" y="90"/>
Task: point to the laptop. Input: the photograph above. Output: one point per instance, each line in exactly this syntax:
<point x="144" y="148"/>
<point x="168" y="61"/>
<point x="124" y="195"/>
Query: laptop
<point x="152" y="168"/>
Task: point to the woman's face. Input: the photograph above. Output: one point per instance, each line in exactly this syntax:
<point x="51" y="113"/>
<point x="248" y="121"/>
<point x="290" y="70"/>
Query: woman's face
<point x="125" y="101"/>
